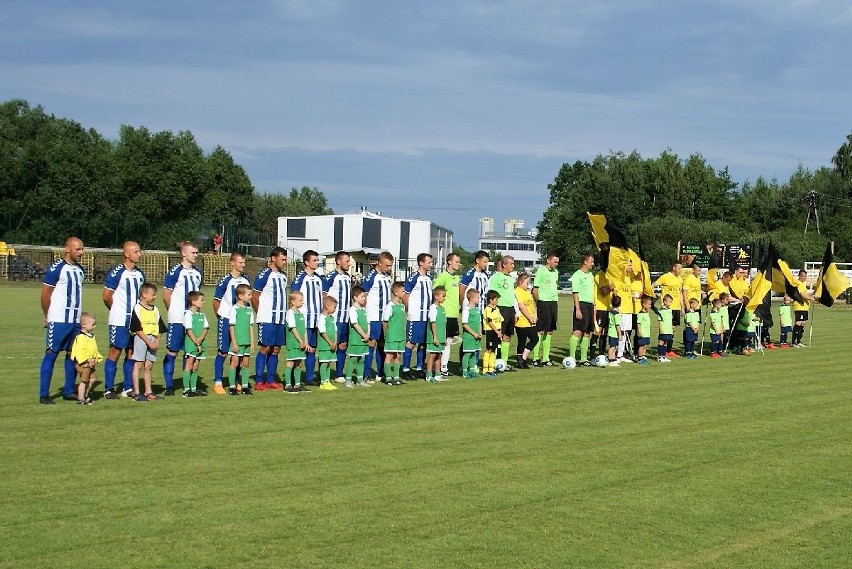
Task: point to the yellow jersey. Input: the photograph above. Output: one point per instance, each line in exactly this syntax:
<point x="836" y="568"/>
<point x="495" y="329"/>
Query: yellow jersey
<point x="85" y="348"/>
<point x="624" y="290"/>
<point x="671" y="285"/>
<point x="692" y="286"/>
<point x="525" y="298"/>
<point x="739" y="287"/>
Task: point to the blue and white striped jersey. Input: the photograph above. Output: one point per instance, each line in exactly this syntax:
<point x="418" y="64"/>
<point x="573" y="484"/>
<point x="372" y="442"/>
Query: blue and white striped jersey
<point x="226" y="293"/>
<point x="66" y="300"/>
<point x="419" y="289"/>
<point x="181" y="281"/>
<point x="272" y="286"/>
<point x="124" y="284"/>
<point x="479" y="281"/>
<point x="338" y="285"/>
<point x="311" y="288"/>
<point x="378" y="287"/>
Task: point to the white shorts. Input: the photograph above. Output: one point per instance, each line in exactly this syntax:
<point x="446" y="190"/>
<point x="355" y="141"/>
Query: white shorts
<point x="626" y="322"/>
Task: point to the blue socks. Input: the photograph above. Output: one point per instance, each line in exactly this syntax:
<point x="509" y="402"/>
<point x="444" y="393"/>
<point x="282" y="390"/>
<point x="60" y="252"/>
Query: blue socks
<point x="70" y="388"/>
<point x="45" y="373"/>
<point x="218" y="368"/>
<point x="310" y="364"/>
<point x="271" y="368"/>
<point x="169" y="371"/>
<point x="128" y="374"/>
<point x="110" y="368"/>
<point x="260" y="368"/>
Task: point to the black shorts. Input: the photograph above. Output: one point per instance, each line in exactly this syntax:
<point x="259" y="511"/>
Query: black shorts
<point x="492" y="340"/>
<point x="800" y="315"/>
<point x="603" y="320"/>
<point x="547" y="315"/>
<point x="508" y="327"/>
<point x="452" y="327"/>
<point x="675" y="318"/>
<point x="585" y="324"/>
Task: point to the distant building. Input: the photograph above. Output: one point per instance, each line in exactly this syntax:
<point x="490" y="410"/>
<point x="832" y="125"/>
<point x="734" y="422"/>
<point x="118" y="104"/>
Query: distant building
<point x="364" y="235"/>
<point x="514" y="240"/>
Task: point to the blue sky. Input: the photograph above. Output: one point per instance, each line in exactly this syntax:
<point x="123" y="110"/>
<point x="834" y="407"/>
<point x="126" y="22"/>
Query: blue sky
<point x="448" y="111"/>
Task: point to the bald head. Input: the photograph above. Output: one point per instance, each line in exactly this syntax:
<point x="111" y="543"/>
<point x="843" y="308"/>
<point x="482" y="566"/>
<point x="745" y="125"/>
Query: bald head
<point x="132" y="253"/>
<point x="73" y="250"/>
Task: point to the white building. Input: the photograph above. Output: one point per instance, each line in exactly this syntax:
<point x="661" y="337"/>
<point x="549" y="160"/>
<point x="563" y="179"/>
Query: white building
<point x="364" y="235"/>
<point x="514" y="240"/>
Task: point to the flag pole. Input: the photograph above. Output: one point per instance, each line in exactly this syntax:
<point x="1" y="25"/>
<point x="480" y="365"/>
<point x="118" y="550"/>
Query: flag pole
<point x="734" y="325"/>
<point x="811" y="323"/>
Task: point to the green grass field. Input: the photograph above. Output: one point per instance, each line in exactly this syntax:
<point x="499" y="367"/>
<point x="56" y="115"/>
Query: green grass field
<point x="741" y="462"/>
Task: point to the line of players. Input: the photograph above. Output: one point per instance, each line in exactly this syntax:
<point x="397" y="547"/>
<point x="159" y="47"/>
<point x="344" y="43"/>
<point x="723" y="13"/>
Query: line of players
<point x="62" y="302"/>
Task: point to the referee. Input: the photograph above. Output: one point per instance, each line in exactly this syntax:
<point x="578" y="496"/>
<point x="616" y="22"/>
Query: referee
<point x="583" y="294"/>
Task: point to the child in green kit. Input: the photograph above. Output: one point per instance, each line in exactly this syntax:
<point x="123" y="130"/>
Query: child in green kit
<point x="786" y="317"/>
<point x="196" y="326"/>
<point x="241" y="331"/>
<point x="471" y="321"/>
<point x="327" y="343"/>
<point x="359" y="339"/>
<point x="745" y="330"/>
<point x="436" y="335"/>
<point x="393" y="325"/>
<point x="716" y="329"/>
<point x="297" y="344"/>
<point x="666" y="332"/>
<point x="643" y="330"/>
<point x="691" y="320"/>
<point x="725" y="298"/>
<point x="614" y="333"/>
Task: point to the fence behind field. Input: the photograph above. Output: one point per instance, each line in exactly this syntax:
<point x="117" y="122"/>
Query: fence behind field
<point x="29" y="263"/>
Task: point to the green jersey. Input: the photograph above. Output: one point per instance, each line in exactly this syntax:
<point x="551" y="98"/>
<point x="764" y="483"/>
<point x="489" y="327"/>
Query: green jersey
<point x="295" y="324"/>
<point x="326" y="325"/>
<point x="786" y="314"/>
<point x="438" y="316"/>
<point x="716" y="322"/>
<point x="643" y="325"/>
<point x="583" y="285"/>
<point x="614" y="323"/>
<point x="357" y="346"/>
<point x="726" y="318"/>
<point x="394" y="315"/>
<point x="691" y="319"/>
<point x="197" y="322"/>
<point x="744" y="323"/>
<point x="546" y="282"/>
<point x="666" y="326"/>
<point x="451" y="283"/>
<point x="241" y="319"/>
<point x="505" y="285"/>
<point x="473" y="318"/>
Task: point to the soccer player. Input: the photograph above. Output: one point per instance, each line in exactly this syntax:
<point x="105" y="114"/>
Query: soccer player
<point x="378" y="287"/>
<point x="86" y="357"/>
<point x="418" y="296"/>
<point x="393" y="328"/>
<point x="717" y="329"/>
<point x="800" y="312"/>
<point x="147" y="326"/>
<point x="614" y="334"/>
<point x="224" y="297"/>
<point x="476" y="278"/>
<point x="196" y="326"/>
<point x="785" y="314"/>
<point x="309" y="283"/>
<point x="504" y="285"/>
<point x="583" y="295"/>
<point x="627" y="311"/>
<point x="449" y="279"/>
<point x="180" y="280"/>
<point x="603" y="302"/>
<point x="241" y="332"/>
<point x="297" y="343"/>
<point x="643" y="330"/>
<point x="61" y="303"/>
<point x="436" y="335"/>
<point x="527" y="318"/>
<point x="692" y="285"/>
<point x="546" y="294"/>
<point x="672" y="285"/>
<point x="666" y="329"/>
<point x="121" y="293"/>
<point x="338" y="285"/>
<point x="359" y="340"/>
<point x="327" y="342"/>
<point x="269" y="301"/>
<point x="691" y="319"/>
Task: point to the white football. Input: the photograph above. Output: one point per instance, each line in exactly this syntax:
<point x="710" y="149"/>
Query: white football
<point x="601" y="361"/>
<point x="499" y="365"/>
<point x="569" y="363"/>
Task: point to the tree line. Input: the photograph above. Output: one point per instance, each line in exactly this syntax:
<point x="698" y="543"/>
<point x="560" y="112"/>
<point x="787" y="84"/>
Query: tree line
<point x="667" y="199"/>
<point x="58" y="178"/>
